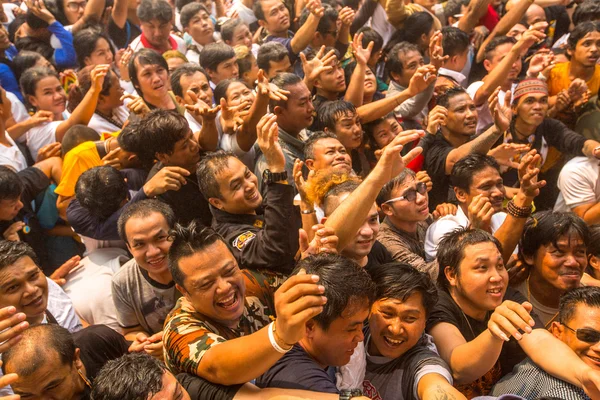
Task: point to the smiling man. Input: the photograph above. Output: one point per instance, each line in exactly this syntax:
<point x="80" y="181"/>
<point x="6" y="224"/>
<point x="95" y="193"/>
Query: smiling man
<point x="324" y="151"/>
<point x="332" y="336"/>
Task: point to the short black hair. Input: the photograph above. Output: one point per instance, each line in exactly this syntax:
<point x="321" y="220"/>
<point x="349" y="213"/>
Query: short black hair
<point x="444" y="98"/>
<point x="76" y="135"/>
<point x="143" y="209"/>
<point x="471" y="164"/>
<point x="416" y="25"/>
<point x="594" y="246"/>
<point x="214" y="54"/>
<point x="258" y="11"/>
<point x="101" y="191"/>
<point x="189" y="11"/>
<point x="187" y="69"/>
<point x="270" y="51"/>
<point x="454" y="7"/>
<point x="397" y="280"/>
<point x="394" y="63"/>
<point x="330" y="111"/>
<point x="580" y="31"/>
<point x="179" y="4"/>
<point x="158" y="132"/>
<point x="496" y="42"/>
<point x="451" y="250"/>
<point x="54" y="338"/>
<point x="11" y="186"/>
<point x="155" y="9"/>
<point x="11" y="252"/>
<point x="587" y="295"/>
<point x="454" y="41"/>
<point x="23" y="61"/>
<point x="283" y="81"/>
<point x="345" y="283"/>
<point x="386" y="192"/>
<point x="309" y="144"/>
<point x="211" y="165"/>
<point x="371" y="35"/>
<point x="188" y="240"/>
<point x="144" y="57"/>
<point x="589" y="10"/>
<point x="547" y="227"/>
<point x="132" y="376"/>
<point x="130" y="141"/>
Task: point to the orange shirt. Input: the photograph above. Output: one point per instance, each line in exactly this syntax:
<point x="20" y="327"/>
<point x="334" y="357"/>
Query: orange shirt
<point x="559" y="79"/>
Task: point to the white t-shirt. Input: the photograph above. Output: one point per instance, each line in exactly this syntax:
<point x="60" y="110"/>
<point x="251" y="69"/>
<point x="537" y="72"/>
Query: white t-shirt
<point x="101" y="125"/>
<point x="17" y="108"/>
<point x="246" y="14"/>
<point x="40" y="136"/>
<point x="89" y="286"/>
<point x="484" y="118"/>
<point x="579" y="184"/>
<point x="12" y="156"/>
<point x="449" y="223"/>
<point x="195" y="126"/>
<point x="10" y="13"/>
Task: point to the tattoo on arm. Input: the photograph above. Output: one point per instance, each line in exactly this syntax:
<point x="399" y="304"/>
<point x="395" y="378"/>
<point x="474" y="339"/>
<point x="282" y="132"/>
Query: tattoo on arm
<point x="441" y="394"/>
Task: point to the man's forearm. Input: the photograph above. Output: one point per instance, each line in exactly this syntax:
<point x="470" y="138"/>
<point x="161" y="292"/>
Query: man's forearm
<point x="380" y="108"/>
<point x="481" y="145"/>
<point x="356" y="88"/>
<point x="496" y="77"/>
<point x="475" y="10"/>
<point x="247" y="135"/>
<point x="512" y="17"/>
<point x="510" y="231"/>
<point x="305" y="34"/>
<point x="208" y="136"/>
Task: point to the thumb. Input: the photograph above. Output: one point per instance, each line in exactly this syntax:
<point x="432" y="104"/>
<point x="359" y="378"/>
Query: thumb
<point x="192" y="95"/>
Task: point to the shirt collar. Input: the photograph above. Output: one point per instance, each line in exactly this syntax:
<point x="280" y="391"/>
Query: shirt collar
<point x="457" y="76"/>
<point x="146" y="43"/>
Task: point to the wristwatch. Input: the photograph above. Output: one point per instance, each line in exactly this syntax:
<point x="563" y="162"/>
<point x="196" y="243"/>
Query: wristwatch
<point x="347" y="394"/>
<point x="270" y="177"/>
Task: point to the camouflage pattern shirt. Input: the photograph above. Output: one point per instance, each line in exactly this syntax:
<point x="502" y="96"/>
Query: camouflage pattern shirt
<point x="188" y="335"/>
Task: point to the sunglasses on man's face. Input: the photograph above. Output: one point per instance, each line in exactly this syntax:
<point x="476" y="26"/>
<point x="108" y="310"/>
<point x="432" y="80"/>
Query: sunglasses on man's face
<point x="587" y="335"/>
<point x="411" y="194"/>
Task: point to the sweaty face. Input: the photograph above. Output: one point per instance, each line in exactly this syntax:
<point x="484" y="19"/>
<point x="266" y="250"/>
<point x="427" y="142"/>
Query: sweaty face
<point x="228" y="69"/>
<point x="404" y="210"/>
<point x="52" y="380"/>
<point x="147" y="240"/>
<point x="462" y="115"/>
<point x="561" y="266"/>
<point x="487" y="183"/>
<point x="587" y="49"/>
<point x="396" y="326"/>
<point x="9" y="209"/>
<point x="186" y="153"/>
<point x="277" y="17"/>
<point x="49" y="96"/>
<point x="298" y="111"/>
<point x="386" y="131"/>
<point x="498" y="55"/>
<point x="198" y="84"/>
<point x="482" y="278"/>
<point x="277" y="67"/>
<point x="332" y="81"/>
<point x="239" y="189"/>
<point x="349" y="130"/>
<point x="171" y="389"/>
<point x="329" y="153"/>
<point x="587" y="318"/>
<point x="334" y="346"/>
<point x="532" y="108"/>
<point x="214" y="284"/>
<point x="24" y="286"/>
<point x="201" y="28"/>
<point x="411" y="60"/>
<point x="102" y="54"/>
<point x="237" y="93"/>
<point x="157" y="32"/>
<point x="153" y="79"/>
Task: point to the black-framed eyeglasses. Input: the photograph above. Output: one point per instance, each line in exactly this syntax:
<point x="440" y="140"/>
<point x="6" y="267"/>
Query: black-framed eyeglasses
<point x="411" y="194"/>
<point x="587" y="335"/>
<point x="76" y="6"/>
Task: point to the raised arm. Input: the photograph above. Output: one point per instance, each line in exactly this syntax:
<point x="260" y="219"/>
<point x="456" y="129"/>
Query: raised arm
<point x="356" y="87"/>
<point x="475" y="10"/>
<point x="306" y="32"/>
<point x="93" y="12"/>
<point x="119" y="13"/>
<point x="348" y="216"/>
<point x="208" y="136"/>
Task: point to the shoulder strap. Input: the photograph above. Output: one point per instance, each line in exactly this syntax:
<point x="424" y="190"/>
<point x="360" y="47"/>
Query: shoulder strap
<point x="101" y="149"/>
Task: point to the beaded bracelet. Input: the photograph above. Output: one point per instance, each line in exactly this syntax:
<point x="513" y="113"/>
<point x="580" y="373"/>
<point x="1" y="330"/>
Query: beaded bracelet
<point x="518" y="212"/>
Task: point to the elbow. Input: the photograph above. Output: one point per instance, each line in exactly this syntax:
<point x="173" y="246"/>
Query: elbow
<point x="214" y="374"/>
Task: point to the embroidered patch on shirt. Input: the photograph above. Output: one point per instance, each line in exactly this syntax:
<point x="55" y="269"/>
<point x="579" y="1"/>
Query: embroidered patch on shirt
<point x="258" y="223"/>
<point x="242" y="240"/>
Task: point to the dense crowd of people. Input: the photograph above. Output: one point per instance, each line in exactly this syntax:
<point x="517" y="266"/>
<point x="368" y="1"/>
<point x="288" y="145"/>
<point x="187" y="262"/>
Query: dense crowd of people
<point x="299" y="199"/>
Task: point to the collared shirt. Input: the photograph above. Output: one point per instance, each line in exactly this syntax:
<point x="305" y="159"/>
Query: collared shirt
<point x="457" y="76"/>
<point x="141" y="42"/>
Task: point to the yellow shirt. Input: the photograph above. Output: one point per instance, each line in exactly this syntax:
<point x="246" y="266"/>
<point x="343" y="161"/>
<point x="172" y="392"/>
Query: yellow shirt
<point x="559" y="79"/>
<point x="76" y="162"/>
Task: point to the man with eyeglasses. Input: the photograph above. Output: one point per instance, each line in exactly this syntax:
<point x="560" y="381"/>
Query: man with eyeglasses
<point x="578" y="326"/>
<point x="405" y="203"/>
<point x="480" y="192"/>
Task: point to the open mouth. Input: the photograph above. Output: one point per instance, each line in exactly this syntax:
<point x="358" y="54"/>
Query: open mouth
<point x="495" y="291"/>
<point x="230" y="302"/>
<point x="36" y="302"/>
<point x="596" y="360"/>
<point x="253" y="196"/>
<point x="393" y="342"/>
<point x="156" y="261"/>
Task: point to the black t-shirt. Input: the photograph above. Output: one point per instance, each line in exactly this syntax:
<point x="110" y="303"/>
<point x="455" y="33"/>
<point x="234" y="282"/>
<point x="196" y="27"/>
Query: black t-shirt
<point x="446" y="310"/>
<point x="297" y="370"/>
<point x="35" y="183"/>
<point x="436" y="149"/>
<point x="379" y="255"/>
<point x="122" y="37"/>
<point x="201" y="389"/>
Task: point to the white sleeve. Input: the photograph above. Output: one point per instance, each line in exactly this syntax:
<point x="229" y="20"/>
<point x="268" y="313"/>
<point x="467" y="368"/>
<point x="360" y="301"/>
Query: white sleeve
<point x="61" y="307"/>
<point x="575" y="185"/>
<point x="434" y="234"/>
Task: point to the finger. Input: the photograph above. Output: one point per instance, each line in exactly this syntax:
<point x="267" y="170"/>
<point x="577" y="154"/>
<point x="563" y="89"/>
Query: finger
<point x="305" y="302"/>
<point x="302" y="290"/>
<point x="411" y="155"/>
<point x="523" y="315"/>
<point x="295" y="280"/>
<point x="497" y="331"/>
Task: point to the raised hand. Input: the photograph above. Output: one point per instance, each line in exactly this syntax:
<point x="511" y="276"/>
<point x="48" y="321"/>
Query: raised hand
<point x="436" y="51"/>
<point x="422" y="78"/>
<point x="444" y="209"/>
<point x="423" y="176"/>
<point x="480" y="213"/>
<point x="324" y="241"/>
<point x="232" y="118"/>
<point x="267" y="137"/>
<point x="111" y="159"/>
<point x="540" y="62"/>
<point x="529" y="38"/>
<point x="577" y="90"/>
<point x="299" y="299"/>
<point x="506" y="152"/>
<point x="436" y="118"/>
<point x="346" y="15"/>
<point x="12" y="232"/>
<point x="97" y="76"/>
<point x="49" y="150"/>
<point x="479" y="34"/>
<point x="528" y="174"/>
<point x="263" y="87"/>
<point x="301" y="183"/>
<point x="12" y="324"/>
<point x="391" y="163"/>
<point x="61" y="272"/>
<point x="38" y="8"/>
<point x="137" y="105"/>
<point x="200" y="110"/>
<point x="502" y="112"/>
<point x="316" y="8"/>
<point x="41" y="117"/>
<point x="122" y="62"/>
<point x="510" y="317"/>
<point x="361" y="55"/>
<point x="320" y="63"/>
<point x="168" y="178"/>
